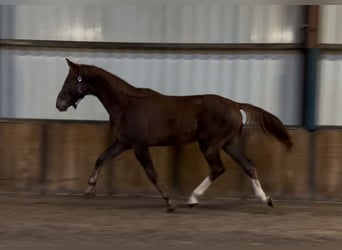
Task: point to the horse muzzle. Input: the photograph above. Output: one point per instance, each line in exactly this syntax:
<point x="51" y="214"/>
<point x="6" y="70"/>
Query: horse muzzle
<point x="62" y="105"/>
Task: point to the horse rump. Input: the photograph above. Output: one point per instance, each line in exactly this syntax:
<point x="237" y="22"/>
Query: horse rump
<point x="268" y="122"/>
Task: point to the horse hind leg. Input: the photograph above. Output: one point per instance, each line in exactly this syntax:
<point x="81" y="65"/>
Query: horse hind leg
<point x="216" y="169"/>
<point x="236" y="152"/>
<point x="143" y="156"/>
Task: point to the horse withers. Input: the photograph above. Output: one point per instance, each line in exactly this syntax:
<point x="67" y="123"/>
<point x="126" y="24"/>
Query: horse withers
<point x="141" y="118"/>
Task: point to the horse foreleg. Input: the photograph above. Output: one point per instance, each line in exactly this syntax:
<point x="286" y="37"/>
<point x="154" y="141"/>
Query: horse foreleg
<point x="113" y="150"/>
<point x="143" y="156"/>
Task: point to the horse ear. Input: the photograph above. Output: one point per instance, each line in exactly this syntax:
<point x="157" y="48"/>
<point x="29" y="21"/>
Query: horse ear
<point x="74" y="67"/>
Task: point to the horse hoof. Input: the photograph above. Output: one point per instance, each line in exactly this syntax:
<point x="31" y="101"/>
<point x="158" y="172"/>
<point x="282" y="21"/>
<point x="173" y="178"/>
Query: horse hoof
<point x="171" y="210"/>
<point x="191" y="205"/>
<point x="270" y="202"/>
<point x="89" y="195"/>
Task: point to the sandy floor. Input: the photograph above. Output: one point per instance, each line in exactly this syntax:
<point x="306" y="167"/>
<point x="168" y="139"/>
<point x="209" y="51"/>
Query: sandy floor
<point x="30" y="220"/>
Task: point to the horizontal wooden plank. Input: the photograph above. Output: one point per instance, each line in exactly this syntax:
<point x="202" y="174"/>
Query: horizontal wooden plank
<point x="331" y="47"/>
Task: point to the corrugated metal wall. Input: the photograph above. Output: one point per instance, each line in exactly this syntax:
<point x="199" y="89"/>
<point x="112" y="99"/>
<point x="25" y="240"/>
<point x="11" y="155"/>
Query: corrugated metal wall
<point x="330" y="28"/>
<point x="158" y="22"/>
<point x="330" y="68"/>
<point x="31" y="79"/>
<point x="330" y="90"/>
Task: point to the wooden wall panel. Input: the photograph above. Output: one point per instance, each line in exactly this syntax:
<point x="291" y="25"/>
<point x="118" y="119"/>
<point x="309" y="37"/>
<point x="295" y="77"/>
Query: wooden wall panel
<point x="58" y="157"/>
<point x="20" y="156"/>
<point x="282" y="173"/>
<point x="328" y="181"/>
<point x="71" y="155"/>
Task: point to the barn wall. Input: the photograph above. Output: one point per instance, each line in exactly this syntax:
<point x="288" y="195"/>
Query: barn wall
<point x="31" y="79"/>
<point x="330" y="67"/>
<point x="153" y="21"/>
<point x="57" y="157"/>
<point x="330" y="19"/>
<point x="330" y="89"/>
<point x="21" y="156"/>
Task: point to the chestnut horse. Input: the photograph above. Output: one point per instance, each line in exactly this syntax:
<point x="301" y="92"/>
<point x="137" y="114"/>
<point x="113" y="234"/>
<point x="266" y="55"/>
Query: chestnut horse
<point x="141" y="118"/>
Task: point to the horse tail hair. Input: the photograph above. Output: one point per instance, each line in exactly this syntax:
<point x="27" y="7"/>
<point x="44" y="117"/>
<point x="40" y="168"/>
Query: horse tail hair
<point x="268" y="122"/>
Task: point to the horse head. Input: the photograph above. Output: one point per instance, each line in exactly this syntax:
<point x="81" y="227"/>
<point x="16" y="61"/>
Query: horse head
<point x="75" y="87"/>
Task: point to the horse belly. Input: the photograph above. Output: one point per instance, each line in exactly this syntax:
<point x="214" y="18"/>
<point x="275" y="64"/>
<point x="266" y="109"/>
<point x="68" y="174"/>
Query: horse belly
<point x="171" y="134"/>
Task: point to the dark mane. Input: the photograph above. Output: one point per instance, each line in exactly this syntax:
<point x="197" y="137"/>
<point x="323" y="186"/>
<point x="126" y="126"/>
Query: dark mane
<point x="120" y="84"/>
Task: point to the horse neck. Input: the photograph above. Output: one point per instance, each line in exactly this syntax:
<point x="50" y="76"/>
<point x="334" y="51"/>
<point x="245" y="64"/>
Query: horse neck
<point x="112" y="92"/>
<point x="105" y="83"/>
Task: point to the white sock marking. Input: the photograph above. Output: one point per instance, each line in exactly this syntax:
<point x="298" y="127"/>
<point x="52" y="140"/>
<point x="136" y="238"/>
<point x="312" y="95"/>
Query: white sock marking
<point x="258" y="190"/>
<point x="90" y="189"/>
<point x="93" y="179"/>
<point x="205" y="184"/>
<point x="244" y="116"/>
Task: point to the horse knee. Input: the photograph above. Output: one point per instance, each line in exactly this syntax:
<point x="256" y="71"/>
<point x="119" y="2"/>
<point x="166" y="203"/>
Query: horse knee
<point x="215" y="173"/>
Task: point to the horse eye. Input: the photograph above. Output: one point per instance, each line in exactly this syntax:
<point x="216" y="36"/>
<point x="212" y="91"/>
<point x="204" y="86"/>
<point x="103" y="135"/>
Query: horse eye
<point x="79" y="79"/>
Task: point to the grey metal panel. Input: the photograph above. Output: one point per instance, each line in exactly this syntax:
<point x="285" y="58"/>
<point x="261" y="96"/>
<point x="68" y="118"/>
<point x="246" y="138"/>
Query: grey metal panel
<point x="32" y="79"/>
<point x="330" y="25"/>
<point x="156" y="22"/>
<point x="6" y="89"/>
<point x="330" y="90"/>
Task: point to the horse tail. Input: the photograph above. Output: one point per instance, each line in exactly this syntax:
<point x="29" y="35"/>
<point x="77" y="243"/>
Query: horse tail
<point x="269" y="123"/>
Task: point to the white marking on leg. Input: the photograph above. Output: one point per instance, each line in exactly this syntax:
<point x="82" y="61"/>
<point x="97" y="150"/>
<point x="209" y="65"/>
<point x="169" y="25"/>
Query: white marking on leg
<point x="93" y="179"/>
<point x="258" y="190"/>
<point x="90" y="189"/>
<point x="91" y="182"/>
<point x="244" y="116"/>
<point x="205" y="184"/>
